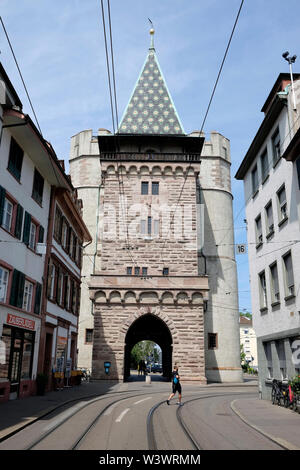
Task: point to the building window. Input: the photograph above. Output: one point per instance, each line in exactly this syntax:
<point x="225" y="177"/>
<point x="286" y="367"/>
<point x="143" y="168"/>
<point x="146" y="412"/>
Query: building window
<point x="282" y="358"/>
<point x="264" y="165"/>
<point x="149" y="227"/>
<point x="15" y="159"/>
<point x="258" y="231"/>
<point x="145" y="186"/>
<point x="212" y="340"/>
<point x="269" y="219"/>
<point x="165" y="271"/>
<point x="129" y="271"/>
<point x="144" y="271"/>
<point x="254" y="179"/>
<point x="27" y="297"/>
<point x="59" y="289"/>
<point x="89" y="335"/>
<point x="288" y="274"/>
<point x="282" y="204"/>
<point x="276" y="146"/>
<point x="64" y="239"/>
<point x="274" y="283"/>
<point x="4" y="274"/>
<point x="38" y="187"/>
<point x="57" y="224"/>
<point x="32" y="236"/>
<point x="155" y="188"/>
<point x="136" y="271"/>
<point x="268" y="355"/>
<point x="7" y="215"/>
<point x="262" y="290"/>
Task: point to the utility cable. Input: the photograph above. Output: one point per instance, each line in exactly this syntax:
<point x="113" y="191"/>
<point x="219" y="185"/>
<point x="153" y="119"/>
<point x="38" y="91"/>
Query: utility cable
<point x="16" y="62"/>
<point x="208" y="107"/>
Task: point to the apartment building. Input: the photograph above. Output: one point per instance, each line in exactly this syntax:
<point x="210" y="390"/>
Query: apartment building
<point x="271" y="189"/>
<point x="248" y="341"/>
<point x="32" y="182"/>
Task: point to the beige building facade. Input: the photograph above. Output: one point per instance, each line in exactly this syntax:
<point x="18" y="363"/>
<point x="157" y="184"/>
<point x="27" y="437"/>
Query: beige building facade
<point x="161" y="266"/>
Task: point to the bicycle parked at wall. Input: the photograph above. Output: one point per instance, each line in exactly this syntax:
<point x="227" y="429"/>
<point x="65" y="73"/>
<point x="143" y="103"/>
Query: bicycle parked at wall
<point x="279" y="391"/>
<point x="292" y="399"/>
<point x="287" y="394"/>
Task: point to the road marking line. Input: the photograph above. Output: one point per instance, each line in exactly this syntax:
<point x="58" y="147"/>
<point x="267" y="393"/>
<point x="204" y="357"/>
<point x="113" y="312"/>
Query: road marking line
<point x="140" y="401"/>
<point x="119" y="419"/>
<point x="109" y="410"/>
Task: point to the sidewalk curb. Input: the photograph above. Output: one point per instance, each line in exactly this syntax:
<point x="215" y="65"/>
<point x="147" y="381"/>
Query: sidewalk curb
<point x="41" y="414"/>
<point x="281" y="442"/>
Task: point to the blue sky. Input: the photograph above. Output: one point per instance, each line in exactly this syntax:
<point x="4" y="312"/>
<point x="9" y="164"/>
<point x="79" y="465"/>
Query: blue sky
<point x="60" y="49"/>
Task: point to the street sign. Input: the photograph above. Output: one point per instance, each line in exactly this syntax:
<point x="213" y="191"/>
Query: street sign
<point x="241" y="249"/>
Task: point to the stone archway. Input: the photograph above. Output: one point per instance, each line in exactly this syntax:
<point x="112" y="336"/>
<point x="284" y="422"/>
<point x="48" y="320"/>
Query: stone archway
<point x="149" y="327"/>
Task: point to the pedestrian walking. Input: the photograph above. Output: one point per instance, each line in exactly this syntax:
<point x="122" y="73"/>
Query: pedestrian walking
<point x="176" y="386"/>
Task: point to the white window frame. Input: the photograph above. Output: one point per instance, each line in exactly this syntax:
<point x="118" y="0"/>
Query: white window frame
<point x="275" y="293"/>
<point x="269" y="218"/>
<point x="4" y="277"/>
<point x="27" y="296"/>
<point x="8" y="210"/>
<point x="52" y="274"/>
<point x="32" y="235"/>
<point x="258" y="232"/>
<point x="282" y="206"/>
<point x="289" y="287"/>
<point x="263" y="290"/>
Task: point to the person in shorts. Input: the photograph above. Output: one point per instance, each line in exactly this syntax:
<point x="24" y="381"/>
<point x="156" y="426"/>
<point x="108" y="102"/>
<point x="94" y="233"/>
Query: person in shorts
<point x="176" y="386"/>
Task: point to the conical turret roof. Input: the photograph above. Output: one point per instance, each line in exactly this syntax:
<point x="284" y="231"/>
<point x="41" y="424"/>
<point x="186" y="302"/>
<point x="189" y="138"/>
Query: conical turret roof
<point x="151" y="109"/>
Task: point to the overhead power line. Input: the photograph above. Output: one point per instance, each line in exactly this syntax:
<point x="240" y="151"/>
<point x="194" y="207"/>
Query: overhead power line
<point x="206" y="113"/>
<point x="20" y="73"/>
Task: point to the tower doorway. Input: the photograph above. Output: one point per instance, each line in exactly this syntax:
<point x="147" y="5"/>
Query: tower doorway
<point x="149" y="327"/>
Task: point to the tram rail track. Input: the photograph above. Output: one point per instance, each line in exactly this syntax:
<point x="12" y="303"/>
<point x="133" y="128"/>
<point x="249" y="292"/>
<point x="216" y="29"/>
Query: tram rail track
<point x="152" y="443"/>
<point x="120" y="397"/>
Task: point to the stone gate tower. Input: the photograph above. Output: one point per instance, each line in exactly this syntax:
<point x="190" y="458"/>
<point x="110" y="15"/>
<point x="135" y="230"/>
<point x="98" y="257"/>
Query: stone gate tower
<point x="155" y="269"/>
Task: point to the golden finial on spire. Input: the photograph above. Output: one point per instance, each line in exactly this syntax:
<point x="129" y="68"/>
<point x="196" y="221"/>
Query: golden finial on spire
<point x="152" y="31"/>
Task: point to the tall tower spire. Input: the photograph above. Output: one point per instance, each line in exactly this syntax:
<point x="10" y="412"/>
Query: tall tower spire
<point x="151" y="109"/>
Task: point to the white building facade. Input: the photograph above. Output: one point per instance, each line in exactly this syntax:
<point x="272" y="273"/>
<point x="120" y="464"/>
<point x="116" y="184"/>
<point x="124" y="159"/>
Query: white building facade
<point x="273" y="225"/>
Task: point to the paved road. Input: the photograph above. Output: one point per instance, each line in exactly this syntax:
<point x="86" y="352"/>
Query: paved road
<point x="121" y="421"/>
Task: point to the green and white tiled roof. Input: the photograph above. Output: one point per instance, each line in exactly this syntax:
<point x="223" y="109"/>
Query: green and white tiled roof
<point x="150" y="109"/>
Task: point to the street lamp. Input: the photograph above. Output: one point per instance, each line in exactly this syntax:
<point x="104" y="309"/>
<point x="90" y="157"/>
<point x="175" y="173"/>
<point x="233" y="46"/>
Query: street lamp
<point x="291" y="60"/>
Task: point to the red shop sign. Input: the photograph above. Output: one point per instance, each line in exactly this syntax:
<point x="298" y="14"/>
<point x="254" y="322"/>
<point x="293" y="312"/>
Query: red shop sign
<point x="20" y="322"/>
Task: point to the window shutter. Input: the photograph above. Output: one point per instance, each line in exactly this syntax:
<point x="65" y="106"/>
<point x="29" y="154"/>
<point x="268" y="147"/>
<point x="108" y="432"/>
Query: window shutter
<point x="19" y="221"/>
<point x="26" y="230"/>
<point x="14" y="288"/>
<point x="37" y="302"/>
<point x="41" y="234"/>
<point x="20" y="293"/>
<point x="2" y="200"/>
<point x="49" y="279"/>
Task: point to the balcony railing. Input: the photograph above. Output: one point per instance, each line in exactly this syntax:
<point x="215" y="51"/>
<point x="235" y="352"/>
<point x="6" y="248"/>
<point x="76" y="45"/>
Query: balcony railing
<point x="158" y="157"/>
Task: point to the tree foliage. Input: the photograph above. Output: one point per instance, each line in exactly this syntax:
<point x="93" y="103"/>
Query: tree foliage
<point x="142" y="351"/>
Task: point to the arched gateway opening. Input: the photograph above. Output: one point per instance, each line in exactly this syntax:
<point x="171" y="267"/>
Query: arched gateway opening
<point x="149" y="327"/>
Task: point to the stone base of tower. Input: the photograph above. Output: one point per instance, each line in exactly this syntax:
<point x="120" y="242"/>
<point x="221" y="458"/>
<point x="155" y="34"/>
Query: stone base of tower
<point x="224" y="375"/>
<point x="171" y="318"/>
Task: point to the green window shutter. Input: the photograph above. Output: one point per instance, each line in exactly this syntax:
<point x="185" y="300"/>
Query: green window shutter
<point x="2" y="200"/>
<point x="20" y="293"/>
<point x="37" y="302"/>
<point x="41" y="234"/>
<point x="14" y="288"/>
<point x="19" y="221"/>
<point x="26" y="230"/>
